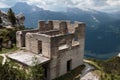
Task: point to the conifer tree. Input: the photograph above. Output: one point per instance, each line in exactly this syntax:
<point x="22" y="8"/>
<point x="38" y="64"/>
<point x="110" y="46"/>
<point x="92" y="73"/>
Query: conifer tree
<point x="11" y="16"/>
<point x="0" y="20"/>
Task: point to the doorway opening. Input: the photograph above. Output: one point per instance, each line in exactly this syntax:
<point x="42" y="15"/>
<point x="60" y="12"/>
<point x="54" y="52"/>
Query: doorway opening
<point x="69" y="64"/>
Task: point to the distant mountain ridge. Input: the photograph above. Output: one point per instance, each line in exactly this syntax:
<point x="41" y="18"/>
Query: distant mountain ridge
<point x="34" y="13"/>
<point x="102" y="31"/>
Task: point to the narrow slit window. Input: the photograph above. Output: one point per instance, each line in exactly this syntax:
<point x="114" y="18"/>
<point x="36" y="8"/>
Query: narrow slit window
<point x="39" y="47"/>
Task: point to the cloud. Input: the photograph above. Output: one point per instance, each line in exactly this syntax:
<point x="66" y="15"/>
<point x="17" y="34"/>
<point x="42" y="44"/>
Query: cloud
<point x="2" y="5"/>
<point x="113" y="2"/>
<point x="50" y="5"/>
<point x="99" y="2"/>
<point x="58" y="5"/>
<point x="8" y="3"/>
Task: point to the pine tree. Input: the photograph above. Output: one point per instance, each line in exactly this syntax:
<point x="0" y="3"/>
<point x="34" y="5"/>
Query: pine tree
<point x="1" y="40"/>
<point x="0" y="20"/>
<point x="11" y="16"/>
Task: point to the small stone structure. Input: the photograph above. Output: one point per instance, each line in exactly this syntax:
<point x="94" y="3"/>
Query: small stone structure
<point x="59" y="43"/>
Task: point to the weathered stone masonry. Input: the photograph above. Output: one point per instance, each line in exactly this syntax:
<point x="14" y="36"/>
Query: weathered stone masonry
<point x="59" y="41"/>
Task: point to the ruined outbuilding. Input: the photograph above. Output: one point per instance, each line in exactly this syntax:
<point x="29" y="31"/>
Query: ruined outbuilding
<point x="58" y="45"/>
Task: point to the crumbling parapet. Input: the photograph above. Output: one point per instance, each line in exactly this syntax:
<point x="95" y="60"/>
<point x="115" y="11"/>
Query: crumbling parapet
<point x="45" y="26"/>
<point x="56" y="24"/>
<point x="80" y="29"/>
<point x="63" y="26"/>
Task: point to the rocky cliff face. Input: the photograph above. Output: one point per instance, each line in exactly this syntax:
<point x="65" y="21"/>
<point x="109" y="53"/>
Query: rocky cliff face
<point x="20" y="18"/>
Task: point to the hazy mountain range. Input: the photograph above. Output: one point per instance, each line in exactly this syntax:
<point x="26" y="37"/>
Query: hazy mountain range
<point x="102" y="31"/>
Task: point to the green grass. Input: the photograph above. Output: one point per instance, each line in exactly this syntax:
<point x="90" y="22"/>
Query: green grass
<point x="1" y="59"/>
<point x="107" y="76"/>
<point x="107" y="69"/>
<point x="4" y="50"/>
<point x="72" y="75"/>
<point x="93" y="63"/>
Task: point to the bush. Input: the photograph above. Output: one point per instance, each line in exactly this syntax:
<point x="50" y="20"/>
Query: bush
<point x="1" y="59"/>
<point x="8" y="72"/>
<point x="110" y="69"/>
<point x="12" y="71"/>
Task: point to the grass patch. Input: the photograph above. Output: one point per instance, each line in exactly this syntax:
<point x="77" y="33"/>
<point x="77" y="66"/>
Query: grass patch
<point x="1" y="59"/>
<point x="93" y="63"/>
<point x="107" y="76"/>
<point x="108" y="69"/>
<point x="98" y="72"/>
<point x="72" y="75"/>
<point x="4" y="50"/>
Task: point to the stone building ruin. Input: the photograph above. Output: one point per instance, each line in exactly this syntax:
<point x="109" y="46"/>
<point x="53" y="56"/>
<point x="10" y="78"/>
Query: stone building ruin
<point x="58" y="45"/>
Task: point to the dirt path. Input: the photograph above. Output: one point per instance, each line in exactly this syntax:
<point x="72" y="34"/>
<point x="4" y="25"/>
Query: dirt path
<point x="88" y="72"/>
<point x="90" y="76"/>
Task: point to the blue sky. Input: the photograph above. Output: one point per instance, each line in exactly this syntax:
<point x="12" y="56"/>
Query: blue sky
<point x="60" y="5"/>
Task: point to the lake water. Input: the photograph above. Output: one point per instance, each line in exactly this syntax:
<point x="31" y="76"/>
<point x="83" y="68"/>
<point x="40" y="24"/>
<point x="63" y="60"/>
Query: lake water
<point x="100" y="56"/>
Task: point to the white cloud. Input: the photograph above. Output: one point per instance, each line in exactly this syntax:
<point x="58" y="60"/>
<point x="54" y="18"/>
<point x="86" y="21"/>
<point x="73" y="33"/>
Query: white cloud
<point x="2" y="5"/>
<point x="113" y="2"/>
<point x="62" y="4"/>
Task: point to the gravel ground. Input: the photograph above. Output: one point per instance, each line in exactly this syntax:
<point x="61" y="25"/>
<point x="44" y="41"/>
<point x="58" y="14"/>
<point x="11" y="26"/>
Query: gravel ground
<point x="90" y="76"/>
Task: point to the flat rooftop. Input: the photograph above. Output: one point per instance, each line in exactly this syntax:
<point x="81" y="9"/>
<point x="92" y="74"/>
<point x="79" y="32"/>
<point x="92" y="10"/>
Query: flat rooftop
<point x="28" y="58"/>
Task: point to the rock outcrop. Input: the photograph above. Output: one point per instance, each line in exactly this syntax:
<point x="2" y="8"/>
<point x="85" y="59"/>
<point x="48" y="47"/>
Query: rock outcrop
<point x="20" y="18"/>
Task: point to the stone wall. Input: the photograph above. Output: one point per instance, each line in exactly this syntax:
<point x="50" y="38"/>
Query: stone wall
<point x="32" y="40"/>
<point x="31" y="43"/>
<point x="51" y="32"/>
<point x="75" y="53"/>
<point x="45" y="26"/>
<point x="20" y="37"/>
<point x="46" y="44"/>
